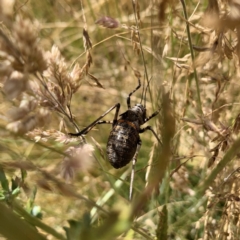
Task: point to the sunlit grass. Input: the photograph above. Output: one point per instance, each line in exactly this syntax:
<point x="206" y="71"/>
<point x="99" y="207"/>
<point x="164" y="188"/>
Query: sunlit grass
<point x="55" y="81"/>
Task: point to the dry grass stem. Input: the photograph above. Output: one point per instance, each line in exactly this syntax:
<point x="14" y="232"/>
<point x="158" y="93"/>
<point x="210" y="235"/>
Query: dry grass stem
<point x="62" y="67"/>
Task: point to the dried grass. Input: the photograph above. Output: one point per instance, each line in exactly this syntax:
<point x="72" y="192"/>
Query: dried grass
<point x="53" y="84"/>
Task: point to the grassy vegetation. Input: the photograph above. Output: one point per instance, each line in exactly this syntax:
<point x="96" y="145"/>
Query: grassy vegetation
<point x="64" y="63"/>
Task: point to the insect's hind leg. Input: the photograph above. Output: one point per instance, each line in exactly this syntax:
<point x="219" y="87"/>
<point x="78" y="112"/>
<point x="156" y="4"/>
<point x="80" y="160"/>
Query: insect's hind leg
<point x="130" y="94"/>
<point x="133" y="169"/>
<point x="97" y="121"/>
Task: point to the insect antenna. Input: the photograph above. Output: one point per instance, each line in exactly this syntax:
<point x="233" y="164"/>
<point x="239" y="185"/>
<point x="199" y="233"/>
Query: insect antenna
<point x="145" y="93"/>
<point x="136" y="15"/>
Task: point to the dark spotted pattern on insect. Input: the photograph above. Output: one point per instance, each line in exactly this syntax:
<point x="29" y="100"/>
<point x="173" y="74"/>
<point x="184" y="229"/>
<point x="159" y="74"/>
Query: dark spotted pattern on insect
<point x="124" y="141"/>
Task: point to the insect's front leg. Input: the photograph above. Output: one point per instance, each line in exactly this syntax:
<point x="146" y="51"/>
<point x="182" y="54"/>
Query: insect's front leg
<point x="130" y="94"/>
<point x="97" y="121"/>
<point x="152" y="116"/>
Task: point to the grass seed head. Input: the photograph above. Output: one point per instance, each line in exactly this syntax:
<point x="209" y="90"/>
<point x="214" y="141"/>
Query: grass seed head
<point x="79" y="159"/>
<point x="25" y="39"/>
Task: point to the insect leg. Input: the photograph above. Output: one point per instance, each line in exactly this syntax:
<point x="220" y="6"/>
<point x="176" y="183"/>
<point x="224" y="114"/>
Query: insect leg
<point x="153" y="115"/>
<point x="133" y="169"/>
<point x="130" y="94"/>
<point x="88" y="128"/>
<point x="154" y="133"/>
<point x="105" y="122"/>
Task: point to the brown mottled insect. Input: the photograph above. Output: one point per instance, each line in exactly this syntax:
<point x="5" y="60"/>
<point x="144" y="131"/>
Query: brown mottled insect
<point x="124" y="141"/>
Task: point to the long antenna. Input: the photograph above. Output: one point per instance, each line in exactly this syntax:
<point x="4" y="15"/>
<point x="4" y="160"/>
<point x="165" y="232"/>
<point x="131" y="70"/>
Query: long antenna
<point x="137" y="75"/>
<point x="145" y="94"/>
<point x="135" y="6"/>
<point x="136" y="15"/>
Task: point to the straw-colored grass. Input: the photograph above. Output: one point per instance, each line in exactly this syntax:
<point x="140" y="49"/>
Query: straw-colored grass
<point x="65" y="63"/>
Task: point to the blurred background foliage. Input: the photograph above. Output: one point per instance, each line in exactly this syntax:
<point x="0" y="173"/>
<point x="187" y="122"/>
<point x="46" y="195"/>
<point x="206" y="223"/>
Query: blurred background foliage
<point x="64" y="63"/>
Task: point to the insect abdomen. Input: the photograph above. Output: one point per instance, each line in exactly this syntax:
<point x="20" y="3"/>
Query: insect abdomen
<point x="122" y="143"/>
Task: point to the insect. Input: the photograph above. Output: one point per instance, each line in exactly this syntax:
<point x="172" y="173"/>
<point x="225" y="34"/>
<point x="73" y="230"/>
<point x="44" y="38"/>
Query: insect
<point x="124" y="141"/>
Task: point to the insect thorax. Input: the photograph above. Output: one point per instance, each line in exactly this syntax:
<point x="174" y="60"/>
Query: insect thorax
<point x="135" y="114"/>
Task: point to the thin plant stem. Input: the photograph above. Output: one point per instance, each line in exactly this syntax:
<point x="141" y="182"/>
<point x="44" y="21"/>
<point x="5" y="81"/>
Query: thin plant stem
<point x="140" y="44"/>
<point x="192" y="55"/>
<point x="58" y="103"/>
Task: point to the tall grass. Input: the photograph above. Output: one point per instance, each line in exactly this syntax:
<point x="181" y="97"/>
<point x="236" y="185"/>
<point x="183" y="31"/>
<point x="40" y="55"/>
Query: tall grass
<point x="65" y="63"/>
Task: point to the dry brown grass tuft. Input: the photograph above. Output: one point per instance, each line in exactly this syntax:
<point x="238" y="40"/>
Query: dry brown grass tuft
<point x="60" y="71"/>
